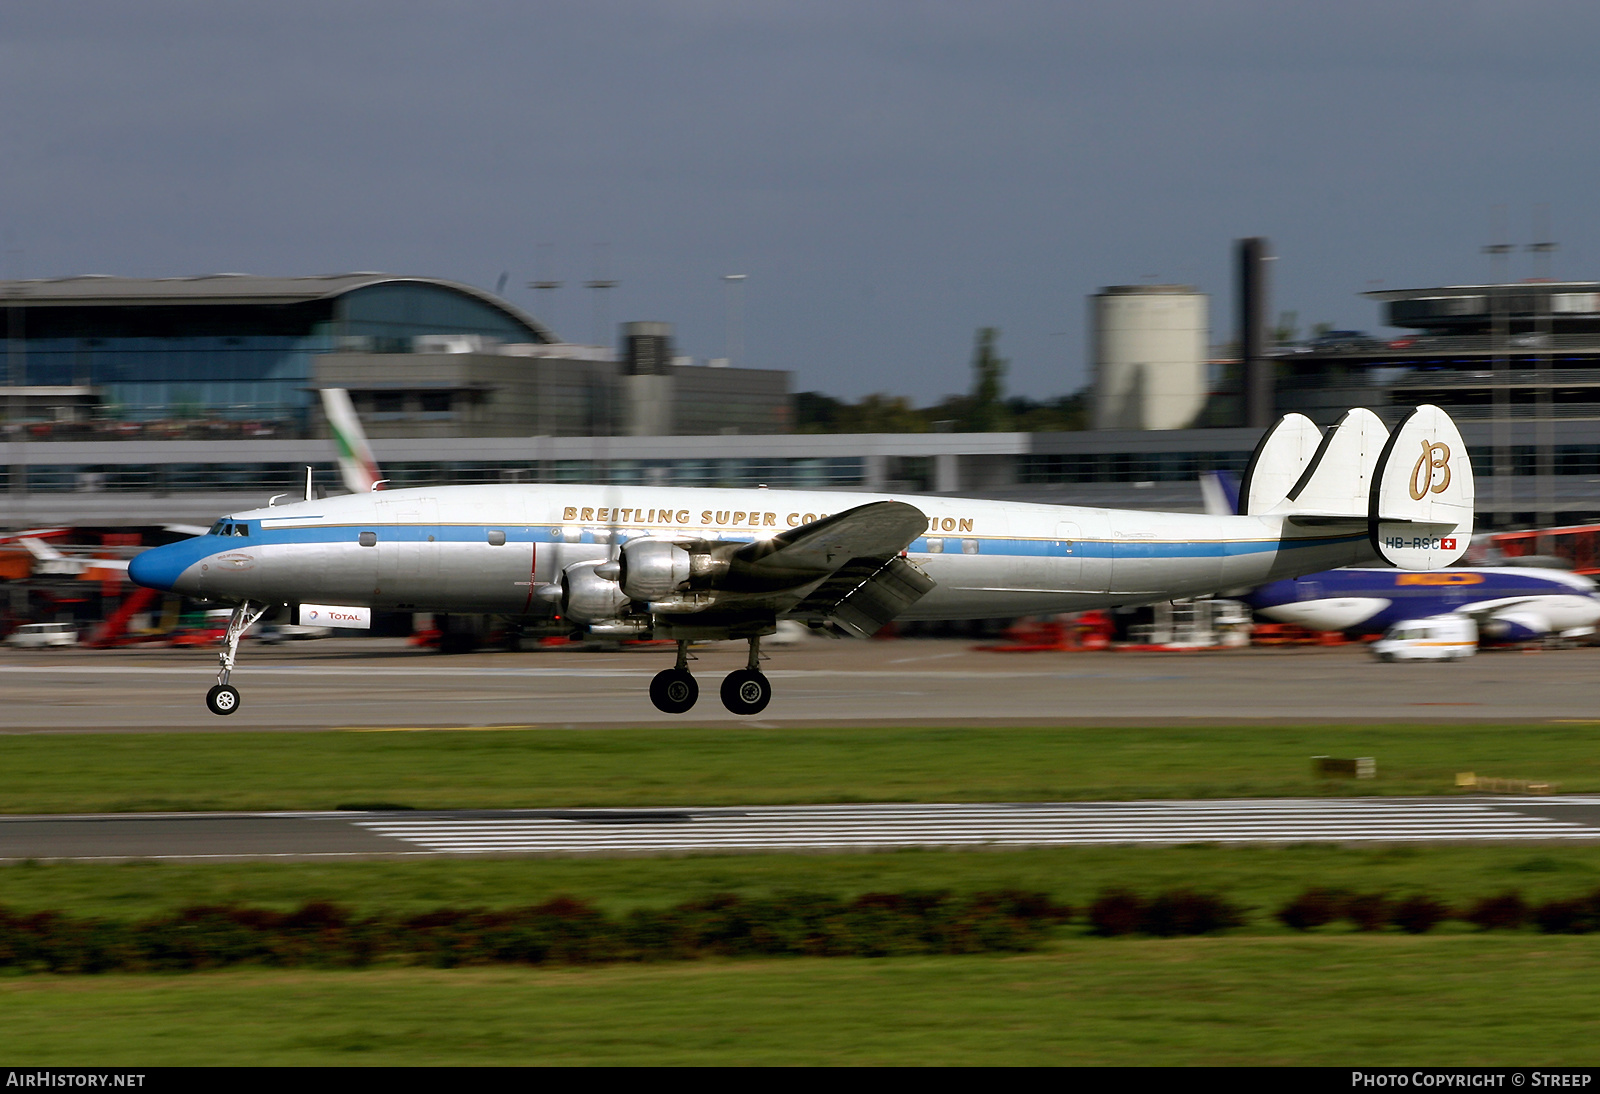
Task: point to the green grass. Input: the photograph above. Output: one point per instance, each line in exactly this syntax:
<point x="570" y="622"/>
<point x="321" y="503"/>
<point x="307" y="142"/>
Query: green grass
<point x="552" y="767"/>
<point x="1260" y="995"/>
<point x="1262" y="878"/>
<point x="1331" y="1000"/>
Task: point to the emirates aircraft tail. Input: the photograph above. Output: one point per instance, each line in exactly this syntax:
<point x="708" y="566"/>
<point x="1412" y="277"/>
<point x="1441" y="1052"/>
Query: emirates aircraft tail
<point x="357" y="466"/>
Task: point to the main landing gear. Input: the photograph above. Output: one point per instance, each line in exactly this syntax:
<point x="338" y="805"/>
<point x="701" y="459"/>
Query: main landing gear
<point x="744" y="691"/>
<point x="224" y="698"/>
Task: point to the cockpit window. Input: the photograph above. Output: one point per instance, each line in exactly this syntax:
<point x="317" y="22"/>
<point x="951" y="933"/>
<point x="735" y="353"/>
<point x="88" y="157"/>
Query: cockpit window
<point x="216" y="529"/>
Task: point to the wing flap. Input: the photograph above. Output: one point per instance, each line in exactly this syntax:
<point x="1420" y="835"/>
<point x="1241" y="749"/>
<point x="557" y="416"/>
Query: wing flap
<point x="864" y="594"/>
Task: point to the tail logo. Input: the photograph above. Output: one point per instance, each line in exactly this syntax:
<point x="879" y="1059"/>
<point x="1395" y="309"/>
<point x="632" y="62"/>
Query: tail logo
<point x="1435" y="457"/>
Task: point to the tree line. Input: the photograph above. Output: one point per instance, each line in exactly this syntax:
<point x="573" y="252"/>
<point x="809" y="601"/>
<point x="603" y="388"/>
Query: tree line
<point x="983" y="409"/>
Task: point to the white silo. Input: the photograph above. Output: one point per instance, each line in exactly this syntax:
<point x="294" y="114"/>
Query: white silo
<point x="1149" y="351"/>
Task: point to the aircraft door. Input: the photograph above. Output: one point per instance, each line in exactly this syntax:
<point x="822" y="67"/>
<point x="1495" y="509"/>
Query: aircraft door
<point x="408" y="547"/>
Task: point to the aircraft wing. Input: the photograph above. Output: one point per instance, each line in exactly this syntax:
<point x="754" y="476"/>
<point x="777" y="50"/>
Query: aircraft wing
<point x="844" y="570"/>
<point x="49" y="560"/>
<point x="41" y="550"/>
<point x="880" y="529"/>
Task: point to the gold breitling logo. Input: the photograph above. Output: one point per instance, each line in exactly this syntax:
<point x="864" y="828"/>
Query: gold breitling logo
<point x="1435" y="457"/>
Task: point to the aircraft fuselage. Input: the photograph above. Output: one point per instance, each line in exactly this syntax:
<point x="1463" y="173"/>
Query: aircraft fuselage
<point x="488" y="548"/>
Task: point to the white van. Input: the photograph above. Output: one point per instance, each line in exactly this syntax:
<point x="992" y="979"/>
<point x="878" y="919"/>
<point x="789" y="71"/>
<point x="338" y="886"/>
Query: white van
<point x="33" y="636"/>
<point x="1437" y="638"/>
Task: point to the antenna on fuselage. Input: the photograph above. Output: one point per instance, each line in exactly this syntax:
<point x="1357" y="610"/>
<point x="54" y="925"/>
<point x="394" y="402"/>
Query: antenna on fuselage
<point x="308" y="482"/>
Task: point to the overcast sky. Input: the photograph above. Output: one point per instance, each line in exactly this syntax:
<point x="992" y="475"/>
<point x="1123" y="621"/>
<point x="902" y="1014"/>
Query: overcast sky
<point x="890" y="175"/>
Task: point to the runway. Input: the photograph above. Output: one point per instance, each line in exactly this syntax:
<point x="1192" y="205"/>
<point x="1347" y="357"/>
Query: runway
<point x="617" y="832"/>
<point x="385" y="684"/>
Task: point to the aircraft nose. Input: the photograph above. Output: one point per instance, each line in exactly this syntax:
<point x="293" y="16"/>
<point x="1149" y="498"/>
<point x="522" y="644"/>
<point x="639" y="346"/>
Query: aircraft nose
<point x="160" y="567"/>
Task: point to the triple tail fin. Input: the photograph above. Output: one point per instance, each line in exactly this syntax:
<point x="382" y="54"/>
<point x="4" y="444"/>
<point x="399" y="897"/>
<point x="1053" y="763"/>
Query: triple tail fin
<point x="1412" y="489"/>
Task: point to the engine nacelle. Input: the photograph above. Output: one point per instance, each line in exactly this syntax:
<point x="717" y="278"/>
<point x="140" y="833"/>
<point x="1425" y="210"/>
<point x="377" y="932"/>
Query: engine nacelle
<point x="1515" y="626"/>
<point x="585" y="595"/>
<point x="650" y="569"/>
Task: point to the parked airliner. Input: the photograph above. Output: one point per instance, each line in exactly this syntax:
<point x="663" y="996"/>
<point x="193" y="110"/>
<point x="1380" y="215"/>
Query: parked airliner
<point x="1509" y="603"/>
<point x="691" y="564"/>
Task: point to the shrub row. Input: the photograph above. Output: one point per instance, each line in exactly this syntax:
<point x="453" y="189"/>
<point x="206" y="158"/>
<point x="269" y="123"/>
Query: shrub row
<point x="1178" y="912"/>
<point x="562" y="931"/>
<point x="1420" y="913"/>
<point x="565" y="931"/>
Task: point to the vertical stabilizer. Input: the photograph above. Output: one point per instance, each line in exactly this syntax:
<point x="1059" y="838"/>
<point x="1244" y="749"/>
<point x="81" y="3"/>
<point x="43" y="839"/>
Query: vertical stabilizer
<point x="1219" y="491"/>
<point x="1422" y="496"/>
<point x="357" y="466"/>
<point x="1278" y="462"/>
<point x="1338" y="479"/>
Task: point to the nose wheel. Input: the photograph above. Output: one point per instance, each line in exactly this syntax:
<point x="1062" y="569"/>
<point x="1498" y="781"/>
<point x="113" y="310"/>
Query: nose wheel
<point x="222" y="699"/>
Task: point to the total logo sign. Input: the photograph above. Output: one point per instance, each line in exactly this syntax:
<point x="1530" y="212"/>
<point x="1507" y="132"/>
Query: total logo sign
<point x="335" y="615"/>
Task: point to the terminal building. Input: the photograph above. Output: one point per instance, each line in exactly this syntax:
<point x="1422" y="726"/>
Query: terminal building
<point x="134" y="403"/>
<point x="241" y="357"/>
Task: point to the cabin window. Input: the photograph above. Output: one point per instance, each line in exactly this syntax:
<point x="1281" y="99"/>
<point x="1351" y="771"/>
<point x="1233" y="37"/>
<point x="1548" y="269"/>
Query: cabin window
<point x="936" y="546"/>
<point x="969" y="546"/>
<point x="368" y="539"/>
<point x="497" y="539"/>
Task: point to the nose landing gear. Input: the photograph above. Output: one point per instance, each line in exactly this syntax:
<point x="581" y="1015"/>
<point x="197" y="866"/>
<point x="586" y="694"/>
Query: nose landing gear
<point x="224" y="698"/>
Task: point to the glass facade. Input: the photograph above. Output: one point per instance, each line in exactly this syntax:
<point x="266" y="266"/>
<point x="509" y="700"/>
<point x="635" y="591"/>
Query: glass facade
<point x="1127" y="466"/>
<point x="234" y="361"/>
<point x="274" y="478"/>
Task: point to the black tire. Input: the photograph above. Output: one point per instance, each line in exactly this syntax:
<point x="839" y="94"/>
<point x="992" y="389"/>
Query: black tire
<point x="222" y="699"/>
<point x="746" y="692"/>
<point x="674" y="691"/>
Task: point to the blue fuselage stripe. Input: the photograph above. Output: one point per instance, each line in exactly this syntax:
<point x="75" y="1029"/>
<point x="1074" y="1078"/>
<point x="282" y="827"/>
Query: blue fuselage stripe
<point x="988" y="545"/>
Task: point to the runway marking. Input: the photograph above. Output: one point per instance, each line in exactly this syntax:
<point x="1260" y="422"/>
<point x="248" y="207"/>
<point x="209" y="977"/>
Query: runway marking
<point x="1087" y="823"/>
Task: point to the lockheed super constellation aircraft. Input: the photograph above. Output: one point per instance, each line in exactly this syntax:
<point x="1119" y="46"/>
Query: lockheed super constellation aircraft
<point x="691" y="564"/>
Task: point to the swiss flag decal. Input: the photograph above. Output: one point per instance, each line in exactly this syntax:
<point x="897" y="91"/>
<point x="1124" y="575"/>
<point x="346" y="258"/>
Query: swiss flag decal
<point x="1447" y="544"/>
